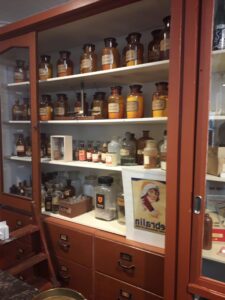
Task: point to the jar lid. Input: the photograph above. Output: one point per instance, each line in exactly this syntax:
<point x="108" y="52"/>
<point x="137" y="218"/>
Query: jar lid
<point x="136" y="87"/>
<point x="61" y="95"/>
<point x="108" y="180"/>
<point x="156" y="32"/>
<point x="134" y="36"/>
<point x="89" y="47"/>
<point x="118" y="88"/>
<point x="167" y="19"/>
<point x="99" y="95"/>
<point x="64" y="52"/>
<point x="164" y="83"/>
<point x="46" y="97"/>
<point x="79" y="95"/>
<point x="45" y="57"/>
<point x="110" y="42"/>
<point x="20" y="62"/>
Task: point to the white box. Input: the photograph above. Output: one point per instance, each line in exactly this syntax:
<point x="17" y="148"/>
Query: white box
<point x="61" y="147"/>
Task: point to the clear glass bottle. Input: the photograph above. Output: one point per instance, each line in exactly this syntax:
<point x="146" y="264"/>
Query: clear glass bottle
<point x="110" y="54"/>
<point x="105" y="199"/>
<point x="160" y="100"/>
<point x="163" y="152"/>
<point x="19" y="73"/>
<point x="135" y="102"/>
<point x="17" y="111"/>
<point x="116" y="103"/>
<point x="78" y="106"/>
<point x="45" y="67"/>
<point x="20" y="146"/>
<point x="88" y="60"/>
<point x="69" y="190"/>
<point x="134" y="49"/>
<point x="61" y="106"/>
<point x="141" y="143"/>
<point x="46" y="108"/>
<point x="100" y="105"/>
<point x="64" y="64"/>
<point x="113" y="154"/>
<point x="128" y="151"/>
<point x="165" y="41"/>
<point x="154" y="46"/>
<point x="151" y="155"/>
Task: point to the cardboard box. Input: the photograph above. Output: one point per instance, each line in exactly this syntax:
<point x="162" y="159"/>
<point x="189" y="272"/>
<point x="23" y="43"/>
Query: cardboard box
<point x="216" y="160"/>
<point x="61" y="147"/>
<point x="72" y="209"/>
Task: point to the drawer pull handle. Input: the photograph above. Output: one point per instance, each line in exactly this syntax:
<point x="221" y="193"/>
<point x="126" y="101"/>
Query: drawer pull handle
<point x="124" y="295"/>
<point x="64" y="277"/>
<point x="64" y="246"/>
<point x="124" y="267"/>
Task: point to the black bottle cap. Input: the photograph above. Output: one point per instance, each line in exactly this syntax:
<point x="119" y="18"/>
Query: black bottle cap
<point x="108" y="180"/>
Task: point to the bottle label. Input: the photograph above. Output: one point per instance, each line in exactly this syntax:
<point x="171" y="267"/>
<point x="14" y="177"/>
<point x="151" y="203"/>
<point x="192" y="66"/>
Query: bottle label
<point x="95" y="157"/>
<point x="20" y="148"/>
<point x="159" y="104"/>
<point x="131" y="55"/>
<point x="89" y="156"/>
<point x="96" y="111"/>
<point x="124" y="152"/>
<point x="43" y="111"/>
<point x="146" y="160"/>
<point x="151" y="161"/>
<point x="64" y="70"/>
<point x="19" y="76"/>
<point x="82" y="155"/>
<point x="219" y="37"/>
<point x="77" y="109"/>
<point x="107" y="59"/>
<point x="86" y="63"/>
<point x="59" y="111"/>
<point x="113" y="108"/>
<point x="44" y="73"/>
<point x="103" y="157"/>
<point x="165" y="45"/>
<point x="132" y="106"/>
<point x="100" y="201"/>
<point x="154" y="54"/>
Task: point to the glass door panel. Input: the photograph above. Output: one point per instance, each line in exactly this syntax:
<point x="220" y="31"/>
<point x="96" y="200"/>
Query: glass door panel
<point x="15" y="122"/>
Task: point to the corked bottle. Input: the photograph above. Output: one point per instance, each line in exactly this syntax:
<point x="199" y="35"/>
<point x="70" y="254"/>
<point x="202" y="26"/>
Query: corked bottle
<point x="88" y="60"/>
<point x="134" y="50"/>
<point x="64" y="64"/>
<point x="45" y="67"/>
<point x="151" y="155"/>
<point x="110" y="54"/>
<point x="154" y="46"/>
<point x="116" y="103"/>
<point x="207" y="237"/>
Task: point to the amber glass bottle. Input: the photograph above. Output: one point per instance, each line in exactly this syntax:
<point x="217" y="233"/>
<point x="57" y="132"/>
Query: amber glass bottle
<point x="46" y="108"/>
<point x="116" y="103"/>
<point x="20" y="146"/>
<point x="165" y="41"/>
<point x="134" y="49"/>
<point x="135" y="102"/>
<point x="45" y="67"/>
<point x="110" y="54"/>
<point x="207" y="237"/>
<point x="154" y="46"/>
<point x="64" y="64"/>
<point x="69" y="190"/>
<point x="100" y="105"/>
<point x="88" y="60"/>
<point x="61" y="106"/>
<point x="20" y="73"/>
<point x="160" y="99"/>
<point x="16" y="111"/>
<point x="78" y="106"/>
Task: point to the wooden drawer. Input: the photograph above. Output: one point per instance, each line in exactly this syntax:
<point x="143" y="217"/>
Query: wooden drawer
<point x="132" y="265"/>
<point x="14" y="220"/>
<point x="118" y="290"/>
<point x="75" y="276"/>
<point x="70" y="244"/>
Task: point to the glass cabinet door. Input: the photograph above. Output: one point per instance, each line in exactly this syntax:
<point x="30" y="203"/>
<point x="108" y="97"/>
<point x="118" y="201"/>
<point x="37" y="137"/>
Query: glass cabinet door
<point x="16" y="141"/>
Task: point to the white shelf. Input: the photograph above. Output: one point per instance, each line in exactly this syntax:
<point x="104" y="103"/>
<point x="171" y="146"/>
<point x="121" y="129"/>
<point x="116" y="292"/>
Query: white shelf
<point x="218" y="61"/>
<point x="17" y="122"/>
<point x="217" y="118"/>
<point x="88" y="219"/>
<point x="213" y="253"/>
<point x="161" y="120"/>
<point x="214" y="178"/>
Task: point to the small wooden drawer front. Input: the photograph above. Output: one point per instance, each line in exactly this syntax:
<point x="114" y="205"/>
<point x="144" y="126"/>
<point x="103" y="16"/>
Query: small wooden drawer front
<point x="70" y="244"/>
<point x="107" y="288"/>
<point x="75" y="276"/>
<point x="14" y="220"/>
<point x="140" y="268"/>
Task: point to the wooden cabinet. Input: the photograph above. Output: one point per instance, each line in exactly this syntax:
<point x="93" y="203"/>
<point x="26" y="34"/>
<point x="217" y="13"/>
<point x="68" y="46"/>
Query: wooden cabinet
<point x="14" y="219"/>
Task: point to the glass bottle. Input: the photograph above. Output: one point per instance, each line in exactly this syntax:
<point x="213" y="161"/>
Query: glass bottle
<point x="28" y="147"/>
<point x="163" y="152"/>
<point x="104" y="150"/>
<point x="110" y="54"/>
<point x="82" y="152"/>
<point x="90" y="150"/>
<point x="207" y="237"/>
<point x="48" y="201"/>
<point x="24" y="108"/>
<point x="154" y="46"/>
<point x="69" y="190"/>
<point x="116" y="103"/>
<point x="160" y="100"/>
<point x="113" y="154"/>
<point x="45" y="67"/>
<point x="165" y="41"/>
<point x="21" y="189"/>
<point x="78" y="106"/>
<point x="105" y="199"/>
<point x="88" y="60"/>
<point x="43" y="148"/>
<point x="49" y="147"/>
<point x="20" y="146"/>
<point x="19" y="73"/>
<point x="219" y="26"/>
<point x="135" y="102"/>
<point x="57" y="195"/>
<point x="16" y="111"/>
<point x="128" y="151"/>
<point x="64" y="64"/>
<point x="134" y="49"/>
<point x="150" y="155"/>
<point x="100" y="105"/>
<point x="61" y="106"/>
<point x="120" y="208"/>
<point x="90" y="182"/>
<point x="141" y="143"/>
<point x="95" y="154"/>
<point x="46" y="108"/>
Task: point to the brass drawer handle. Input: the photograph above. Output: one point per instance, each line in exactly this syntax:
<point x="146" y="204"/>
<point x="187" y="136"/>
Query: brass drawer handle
<point x="64" y="277"/>
<point x="126" y="268"/>
<point x="124" y="295"/>
<point x="64" y="246"/>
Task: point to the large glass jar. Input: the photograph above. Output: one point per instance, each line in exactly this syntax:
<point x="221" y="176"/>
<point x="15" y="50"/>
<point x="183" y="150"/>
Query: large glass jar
<point x="105" y="199"/>
<point x="154" y="46"/>
<point x="88" y="60"/>
<point x="61" y="106"/>
<point x="64" y="64"/>
<point x="46" y="109"/>
<point x="151" y="154"/>
<point x="78" y="106"/>
<point x="99" y="105"/>
<point x="134" y="49"/>
<point x="141" y="143"/>
<point x="19" y="73"/>
<point x="110" y="54"/>
<point x="160" y="99"/>
<point x="135" y="102"/>
<point x="115" y="103"/>
<point x="45" y="67"/>
<point x="165" y="41"/>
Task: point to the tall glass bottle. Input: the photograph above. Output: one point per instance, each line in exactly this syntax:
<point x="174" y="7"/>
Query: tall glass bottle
<point x="154" y="46"/>
<point x="64" y="64"/>
<point x="134" y="49"/>
<point x="20" y="146"/>
<point x="165" y="41"/>
<point x="45" y="67"/>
